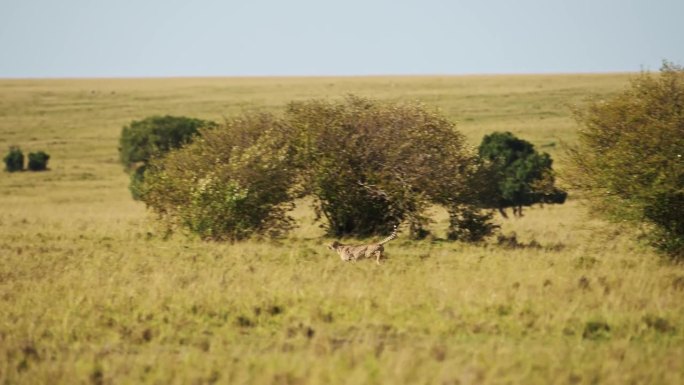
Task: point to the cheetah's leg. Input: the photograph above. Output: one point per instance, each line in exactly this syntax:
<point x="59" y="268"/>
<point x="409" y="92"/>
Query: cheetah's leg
<point x="378" y="256"/>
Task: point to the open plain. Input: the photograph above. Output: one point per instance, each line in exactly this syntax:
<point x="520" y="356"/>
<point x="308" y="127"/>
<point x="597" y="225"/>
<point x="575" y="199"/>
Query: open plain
<point x="93" y="291"/>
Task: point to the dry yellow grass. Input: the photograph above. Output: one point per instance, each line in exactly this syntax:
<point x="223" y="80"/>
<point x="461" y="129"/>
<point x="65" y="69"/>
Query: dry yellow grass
<point x="91" y="291"/>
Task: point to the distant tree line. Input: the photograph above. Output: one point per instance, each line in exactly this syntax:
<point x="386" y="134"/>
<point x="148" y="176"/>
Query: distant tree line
<point x="369" y="165"/>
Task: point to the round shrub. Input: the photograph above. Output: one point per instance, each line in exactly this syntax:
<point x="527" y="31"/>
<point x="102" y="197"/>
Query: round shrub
<point x="232" y="182"/>
<point x="522" y="175"/>
<point x="145" y="139"/>
<point x="152" y="137"/>
<point x="37" y="161"/>
<point x="14" y="160"/>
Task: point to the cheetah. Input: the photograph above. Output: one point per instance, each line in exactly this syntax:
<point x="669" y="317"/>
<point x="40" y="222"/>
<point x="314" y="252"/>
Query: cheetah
<point x="355" y="252"/>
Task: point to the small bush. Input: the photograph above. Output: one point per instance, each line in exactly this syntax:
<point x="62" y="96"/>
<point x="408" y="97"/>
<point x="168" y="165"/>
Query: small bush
<point x="468" y="224"/>
<point x="37" y="161"/>
<point x="658" y="324"/>
<point x="596" y="330"/>
<point x="14" y="160"/>
<point x="523" y="176"/>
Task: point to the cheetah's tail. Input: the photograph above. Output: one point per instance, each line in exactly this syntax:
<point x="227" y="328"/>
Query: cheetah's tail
<point x="391" y="236"/>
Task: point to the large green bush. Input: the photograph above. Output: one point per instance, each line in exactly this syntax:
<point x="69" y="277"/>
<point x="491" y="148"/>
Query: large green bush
<point x="522" y="176"/>
<point x="233" y="181"/>
<point x="630" y="158"/>
<point x="14" y="160"/>
<point x="149" y="138"/>
<point x="371" y="165"/>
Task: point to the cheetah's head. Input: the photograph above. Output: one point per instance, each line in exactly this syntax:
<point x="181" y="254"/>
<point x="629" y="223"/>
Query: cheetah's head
<point x="334" y="245"/>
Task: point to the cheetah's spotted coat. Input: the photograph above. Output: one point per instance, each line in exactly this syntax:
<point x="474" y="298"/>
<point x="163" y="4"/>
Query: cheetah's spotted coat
<point x="355" y="252"/>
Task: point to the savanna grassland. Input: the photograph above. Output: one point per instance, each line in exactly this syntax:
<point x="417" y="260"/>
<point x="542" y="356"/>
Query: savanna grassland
<point x="92" y="291"/>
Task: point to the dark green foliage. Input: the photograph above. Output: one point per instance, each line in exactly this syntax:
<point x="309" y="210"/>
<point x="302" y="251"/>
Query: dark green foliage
<point x="659" y="324"/>
<point x="232" y="182"/>
<point x="137" y="177"/>
<point x="144" y="140"/>
<point x="14" y="160"/>
<point x="37" y="161"/>
<point x="665" y="212"/>
<point x="371" y="165"/>
<point x="523" y="176"/>
<point x="469" y="225"/>
<point x="596" y="330"/>
<point x="630" y="158"/>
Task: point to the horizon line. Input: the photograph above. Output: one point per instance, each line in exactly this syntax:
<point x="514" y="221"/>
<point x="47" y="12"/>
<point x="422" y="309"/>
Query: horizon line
<point x="278" y="76"/>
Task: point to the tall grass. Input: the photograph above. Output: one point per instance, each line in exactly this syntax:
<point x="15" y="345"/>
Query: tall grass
<point x="93" y="291"/>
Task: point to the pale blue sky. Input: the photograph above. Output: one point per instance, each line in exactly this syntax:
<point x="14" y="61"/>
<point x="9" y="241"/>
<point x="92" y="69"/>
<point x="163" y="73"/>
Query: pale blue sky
<point x="124" y="38"/>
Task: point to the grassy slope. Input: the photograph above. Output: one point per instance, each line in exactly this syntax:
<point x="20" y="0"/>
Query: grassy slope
<point x="90" y="292"/>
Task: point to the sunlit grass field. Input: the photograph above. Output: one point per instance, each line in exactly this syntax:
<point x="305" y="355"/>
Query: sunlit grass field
<point x="92" y="291"/>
